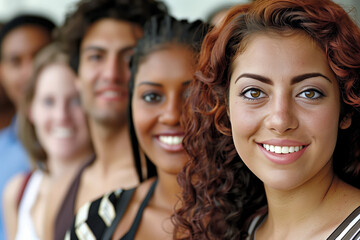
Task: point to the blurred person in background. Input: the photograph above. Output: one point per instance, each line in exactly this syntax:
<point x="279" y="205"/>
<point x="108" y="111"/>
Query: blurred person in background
<point x="7" y="108"/>
<point x="20" y="39"/>
<point x="54" y="131"/>
<point x="162" y="68"/>
<point x="100" y="36"/>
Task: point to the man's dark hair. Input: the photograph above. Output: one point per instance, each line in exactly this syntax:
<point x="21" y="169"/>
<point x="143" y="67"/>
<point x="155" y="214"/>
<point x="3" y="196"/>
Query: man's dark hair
<point x="89" y="11"/>
<point x="26" y="19"/>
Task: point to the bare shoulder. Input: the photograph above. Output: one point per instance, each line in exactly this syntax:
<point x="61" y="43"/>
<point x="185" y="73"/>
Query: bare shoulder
<point x="10" y="203"/>
<point x="12" y="190"/>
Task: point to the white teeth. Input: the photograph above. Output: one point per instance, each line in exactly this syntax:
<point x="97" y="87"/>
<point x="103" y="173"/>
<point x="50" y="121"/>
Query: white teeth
<point x="171" y="140"/>
<point x="282" y="149"/>
<point x="110" y="94"/>
<point x="62" y="132"/>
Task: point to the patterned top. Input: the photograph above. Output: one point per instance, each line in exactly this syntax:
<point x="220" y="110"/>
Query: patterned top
<point x="349" y="229"/>
<point x="99" y="219"/>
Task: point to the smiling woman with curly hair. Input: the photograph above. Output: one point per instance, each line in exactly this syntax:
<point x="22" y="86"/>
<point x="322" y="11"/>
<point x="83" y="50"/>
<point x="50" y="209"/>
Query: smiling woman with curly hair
<point x="272" y="126"/>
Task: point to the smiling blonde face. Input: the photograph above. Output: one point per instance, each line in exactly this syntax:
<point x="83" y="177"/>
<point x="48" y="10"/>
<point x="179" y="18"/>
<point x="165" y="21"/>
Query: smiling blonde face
<point x="57" y="115"/>
<point x="284" y="108"/>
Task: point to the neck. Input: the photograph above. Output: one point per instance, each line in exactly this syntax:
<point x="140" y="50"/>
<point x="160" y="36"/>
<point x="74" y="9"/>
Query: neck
<point x="111" y="145"/>
<point x="167" y="191"/>
<point x="288" y="210"/>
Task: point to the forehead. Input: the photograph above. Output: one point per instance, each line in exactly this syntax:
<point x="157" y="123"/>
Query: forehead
<point x="281" y="53"/>
<point x="106" y="32"/>
<point x="170" y="62"/>
<point x="26" y="38"/>
<point x="57" y="78"/>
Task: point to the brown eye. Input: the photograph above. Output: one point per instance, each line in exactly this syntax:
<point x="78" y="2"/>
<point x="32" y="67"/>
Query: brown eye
<point x="310" y="94"/>
<point x="255" y="93"/>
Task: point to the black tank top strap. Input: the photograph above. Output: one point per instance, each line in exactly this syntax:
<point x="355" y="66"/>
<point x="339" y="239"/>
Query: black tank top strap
<point x="120" y="210"/>
<point x="130" y="235"/>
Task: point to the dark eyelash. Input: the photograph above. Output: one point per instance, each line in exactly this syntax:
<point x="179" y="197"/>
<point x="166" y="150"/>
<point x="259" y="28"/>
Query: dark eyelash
<point x="315" y="90"/>
<point x="242" y="94"/>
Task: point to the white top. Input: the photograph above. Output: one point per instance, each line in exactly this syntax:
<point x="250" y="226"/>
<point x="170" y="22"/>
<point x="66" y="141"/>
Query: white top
<point x="25" y="226"/>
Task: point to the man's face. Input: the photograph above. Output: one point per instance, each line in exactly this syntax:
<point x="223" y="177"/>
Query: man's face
<point x="104" y="72"/>
<point x="18" y="51"/>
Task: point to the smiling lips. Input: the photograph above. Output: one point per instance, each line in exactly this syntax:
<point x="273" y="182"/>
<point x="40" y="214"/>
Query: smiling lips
<point x="62" y="132"/>
<point x="171" y="143"/>
<point x="282" y="149"/>
<point x="113" y="94"/>
<point x="171" y="140"/>
<point x="282" y="154"/>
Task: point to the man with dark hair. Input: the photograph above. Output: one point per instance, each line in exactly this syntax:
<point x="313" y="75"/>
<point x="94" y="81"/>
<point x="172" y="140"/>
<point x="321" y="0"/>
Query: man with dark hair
<point x="20" y="39"/>
<point x="100" y="36"/>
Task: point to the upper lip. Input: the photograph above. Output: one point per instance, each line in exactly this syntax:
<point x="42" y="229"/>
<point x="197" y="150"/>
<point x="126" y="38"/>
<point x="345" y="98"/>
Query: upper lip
<point x="283" y="142"/>
<point x="170" y="134"/>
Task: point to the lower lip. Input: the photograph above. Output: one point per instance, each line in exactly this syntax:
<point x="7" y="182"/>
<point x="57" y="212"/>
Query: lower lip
<point x="282" y="159"/>
<point x="170" y="148"/>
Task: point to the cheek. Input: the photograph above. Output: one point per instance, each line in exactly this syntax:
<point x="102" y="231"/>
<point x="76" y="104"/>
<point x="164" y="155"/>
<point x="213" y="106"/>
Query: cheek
<point x="37" y="116"/>
<point x="244" y="122"/>
<point x="79" y="120"/>
<point x="144" y="120"/>
<point x="324" y="125"/>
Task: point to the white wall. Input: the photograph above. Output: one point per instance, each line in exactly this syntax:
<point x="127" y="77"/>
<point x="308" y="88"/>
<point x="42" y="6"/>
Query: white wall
<point x="191" y="9"/>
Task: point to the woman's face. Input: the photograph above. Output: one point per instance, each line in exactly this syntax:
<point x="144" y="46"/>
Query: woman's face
<point x="57" y="115"/>
<point x="284" y="109"/>
<point x="159" y="94"/>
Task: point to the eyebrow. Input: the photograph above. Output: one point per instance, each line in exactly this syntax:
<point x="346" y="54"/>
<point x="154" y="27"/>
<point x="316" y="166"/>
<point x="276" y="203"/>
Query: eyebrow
<point x="294" y="80"/>
<point x="102" y="49"/>
<point x="160" y="85"/>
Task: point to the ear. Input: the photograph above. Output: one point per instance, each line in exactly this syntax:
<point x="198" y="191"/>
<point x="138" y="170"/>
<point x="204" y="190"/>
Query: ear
<point x="346" y="121"/>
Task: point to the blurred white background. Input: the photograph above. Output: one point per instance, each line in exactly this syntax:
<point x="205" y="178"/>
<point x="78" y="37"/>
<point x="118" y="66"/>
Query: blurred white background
<point x="190" y="9"/>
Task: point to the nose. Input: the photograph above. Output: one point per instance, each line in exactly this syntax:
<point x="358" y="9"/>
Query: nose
<point x="171" y="112"/>
<point x="282" y="117"/>
<point x="61" y="112"/>
<point x="116" y="70"/>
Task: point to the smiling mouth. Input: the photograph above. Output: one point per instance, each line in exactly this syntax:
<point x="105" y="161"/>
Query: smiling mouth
<point x="171" y="140"/>
<point x="62" y="132"/>
<point x="281" y="149"/>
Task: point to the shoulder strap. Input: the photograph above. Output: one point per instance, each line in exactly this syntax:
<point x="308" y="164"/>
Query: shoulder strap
<point x="349" y="229"/>
<point x="120" y="210"/>
<point x="133" y="229"/>
<point x="64" y="217"/>
<point x="23" y="187"/>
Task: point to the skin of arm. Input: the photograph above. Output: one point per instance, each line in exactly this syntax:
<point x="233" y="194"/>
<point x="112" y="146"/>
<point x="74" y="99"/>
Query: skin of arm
<point x="10" y="199"/>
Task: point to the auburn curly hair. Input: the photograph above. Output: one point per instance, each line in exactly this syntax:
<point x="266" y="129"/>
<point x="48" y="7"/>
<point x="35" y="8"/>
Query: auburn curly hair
<point x="219" y="191"/>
